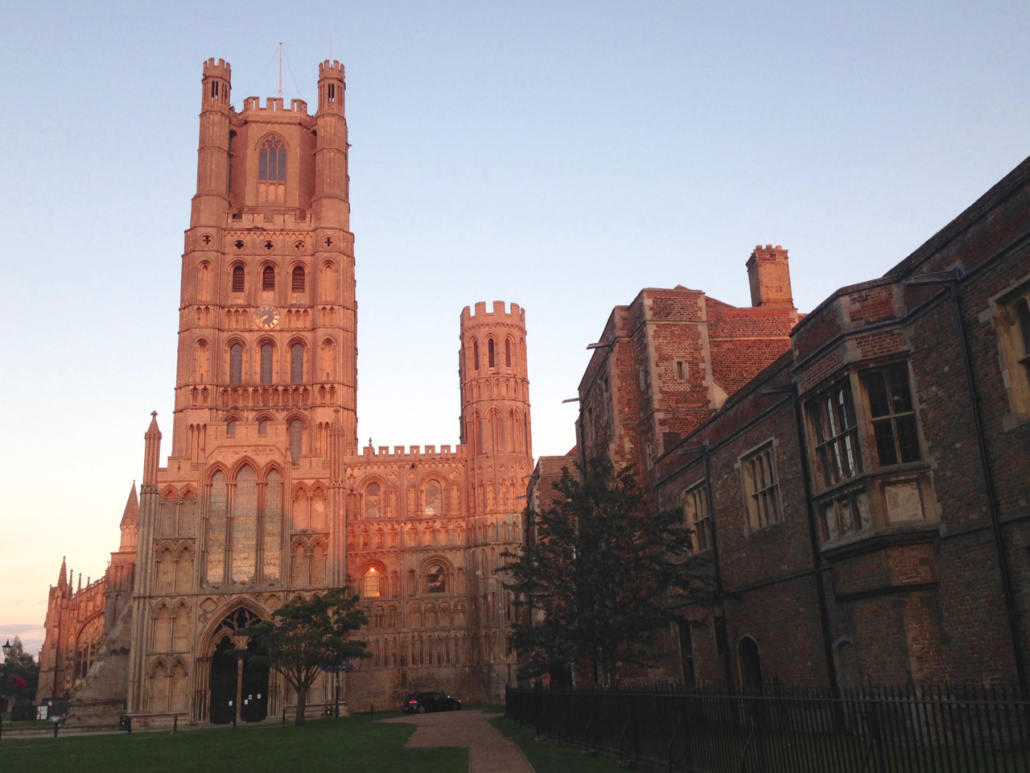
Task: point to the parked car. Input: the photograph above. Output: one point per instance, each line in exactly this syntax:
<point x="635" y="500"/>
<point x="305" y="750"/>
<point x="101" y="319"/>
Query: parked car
<point x="421" y="702"/>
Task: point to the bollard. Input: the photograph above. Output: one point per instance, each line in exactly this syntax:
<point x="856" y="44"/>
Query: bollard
<point x="1" y="726"/>
<point x="175" y="724"/>
<point x="128" y="724"/>
<point x="56" y="725"/>
<point x="372" y="709"/>
<point x="284" y="716"/>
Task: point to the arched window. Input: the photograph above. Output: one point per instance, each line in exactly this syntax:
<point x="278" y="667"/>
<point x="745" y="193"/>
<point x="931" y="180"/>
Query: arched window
<point x="296" y="434"/>
<point x="475" y="354"/>
<point x="507" y="352"/>
<point x="328" y="359"/>
<point x="490" y="352"/>
<point x="236" y="364"/>
<point x="297" y="364"/>
<point x="230" y="428"/>
<point x="434" y="498"/>
<point x="298" y="279"/>
<point x="238" y="279"/>
<point x="87" y="646"/>
<point x="263" y="427"/>
<point x="272" y="164"/>
<point x="370" y="589"/>
<point x="373" y="500"/>
<point x="266" y="363"/>
<point x="201" y="362"/>
<point x="268" y="278"/>
<point x="436" y="581"/>
<point x="327" y="287"/>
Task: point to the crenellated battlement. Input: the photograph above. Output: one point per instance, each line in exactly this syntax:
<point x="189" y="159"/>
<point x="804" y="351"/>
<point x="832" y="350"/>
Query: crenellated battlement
<point x="274" y="105"/>
<point x="217" y="69"/>
<point x="498" y="314"/>
<point x="329" y="69"/>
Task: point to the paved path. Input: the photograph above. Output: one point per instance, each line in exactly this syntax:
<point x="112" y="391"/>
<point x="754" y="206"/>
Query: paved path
<point x="489" y="750"/>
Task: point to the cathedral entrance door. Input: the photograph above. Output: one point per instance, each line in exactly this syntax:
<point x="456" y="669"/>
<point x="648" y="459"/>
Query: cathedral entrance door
<point x="254" y="696"/>
<point x="223" y="683"/>
<point x="239" y="689"/>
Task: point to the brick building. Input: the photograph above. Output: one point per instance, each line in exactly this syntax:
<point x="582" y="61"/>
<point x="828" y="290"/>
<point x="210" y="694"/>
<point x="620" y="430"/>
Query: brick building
<point x="859" y="478"/>
<point x="265" y="495"/>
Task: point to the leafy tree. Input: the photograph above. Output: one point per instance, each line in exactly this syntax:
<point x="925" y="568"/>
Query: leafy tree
<point x="22" y="673"/>
<point x="304" y="637"/>
<point x="608" y="572"/>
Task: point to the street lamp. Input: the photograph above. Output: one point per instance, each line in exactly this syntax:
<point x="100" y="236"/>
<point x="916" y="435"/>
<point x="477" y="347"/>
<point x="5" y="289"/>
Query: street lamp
<point x="7" y="666"/>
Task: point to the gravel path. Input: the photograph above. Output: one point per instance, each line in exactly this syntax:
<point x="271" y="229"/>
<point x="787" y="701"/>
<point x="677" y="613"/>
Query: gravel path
<point x="489" y="750"/>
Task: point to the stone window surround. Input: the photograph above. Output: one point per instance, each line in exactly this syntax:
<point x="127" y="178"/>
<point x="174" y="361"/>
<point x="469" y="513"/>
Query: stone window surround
<point x="750" y="514"/>
<point x="873" y="480"/>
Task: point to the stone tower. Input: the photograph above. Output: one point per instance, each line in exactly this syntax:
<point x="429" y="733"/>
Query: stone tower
<point x="266" y="382"/>
<point x="265" y="496"/>
<point x="495" y="427"/>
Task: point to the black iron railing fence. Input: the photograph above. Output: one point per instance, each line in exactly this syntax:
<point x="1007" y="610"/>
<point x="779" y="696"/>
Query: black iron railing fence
<point x="782" y="730"/>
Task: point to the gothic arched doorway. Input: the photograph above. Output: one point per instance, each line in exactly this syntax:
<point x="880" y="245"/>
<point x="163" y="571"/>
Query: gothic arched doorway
<point x="750" y="664"/>
<point x="237" y="689"/>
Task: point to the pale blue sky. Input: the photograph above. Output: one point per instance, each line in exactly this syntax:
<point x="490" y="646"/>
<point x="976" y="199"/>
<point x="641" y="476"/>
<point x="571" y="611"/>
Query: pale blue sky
<point x="559" y="155"/>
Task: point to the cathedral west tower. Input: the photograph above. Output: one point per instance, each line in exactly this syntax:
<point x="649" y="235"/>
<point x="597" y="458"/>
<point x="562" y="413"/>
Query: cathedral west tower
<point x="265" y="495"/>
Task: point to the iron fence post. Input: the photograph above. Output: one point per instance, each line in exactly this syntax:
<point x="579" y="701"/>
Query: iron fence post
<point x="537" y="701"/>
<point x="874" y="726"/>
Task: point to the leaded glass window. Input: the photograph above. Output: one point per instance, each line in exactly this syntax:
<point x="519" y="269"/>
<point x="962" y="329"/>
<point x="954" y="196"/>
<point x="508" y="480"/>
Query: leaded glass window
<point x="272" y="162"/>
<point x="894" y="418"/>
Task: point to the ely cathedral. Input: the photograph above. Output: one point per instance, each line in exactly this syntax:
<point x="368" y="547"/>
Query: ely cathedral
<point x="265" y="494"/>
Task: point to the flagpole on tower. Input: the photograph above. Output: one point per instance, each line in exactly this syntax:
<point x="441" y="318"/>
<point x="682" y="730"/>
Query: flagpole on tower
<point x="280" y="71"/>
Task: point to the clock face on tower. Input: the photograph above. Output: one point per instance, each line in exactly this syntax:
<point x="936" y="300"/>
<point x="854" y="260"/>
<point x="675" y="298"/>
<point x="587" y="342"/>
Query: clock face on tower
<point x="266" y="317"/>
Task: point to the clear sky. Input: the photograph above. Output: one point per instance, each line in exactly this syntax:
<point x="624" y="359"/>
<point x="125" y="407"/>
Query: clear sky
<point x="561" y="155"/>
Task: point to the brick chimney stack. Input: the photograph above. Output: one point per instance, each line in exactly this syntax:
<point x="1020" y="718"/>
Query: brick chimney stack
<point x="769" y="276"/>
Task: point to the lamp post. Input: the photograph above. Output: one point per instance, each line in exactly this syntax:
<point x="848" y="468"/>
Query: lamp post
<point x="7" y="667"/>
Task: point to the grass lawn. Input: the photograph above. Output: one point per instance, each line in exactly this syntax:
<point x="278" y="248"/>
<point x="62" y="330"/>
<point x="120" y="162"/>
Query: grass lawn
<point x="356" y="743"/>
<point x="547" y="756"/>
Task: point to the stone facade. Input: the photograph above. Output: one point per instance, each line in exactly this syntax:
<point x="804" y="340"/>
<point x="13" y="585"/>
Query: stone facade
<point x="265" y="495"/>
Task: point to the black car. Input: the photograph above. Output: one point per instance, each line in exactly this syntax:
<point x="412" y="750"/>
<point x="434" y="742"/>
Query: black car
<point x="421" y="702"/>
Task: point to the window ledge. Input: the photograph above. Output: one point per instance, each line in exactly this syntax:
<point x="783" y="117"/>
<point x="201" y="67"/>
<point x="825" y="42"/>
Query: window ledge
<point x="870" y="541"/>
<point x="770" y="529"/>
<point x="862" y="478"/>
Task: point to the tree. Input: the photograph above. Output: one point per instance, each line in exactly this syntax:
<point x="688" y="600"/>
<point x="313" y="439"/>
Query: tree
<point x="21" y="673"/>
<point x="608" y="572"/>
<point x="305" y="637"/>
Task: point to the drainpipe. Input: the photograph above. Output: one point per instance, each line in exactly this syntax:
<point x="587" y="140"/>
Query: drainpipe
<point x="813" y="531"/>
<point x="951" y="280"/>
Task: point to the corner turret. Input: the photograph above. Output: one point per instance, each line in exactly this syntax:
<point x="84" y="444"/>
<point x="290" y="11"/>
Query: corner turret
<point x="495" y="421"/>
<point x="331" y="85"/>
<point x="212" y="198"/>
<point x="332" y="183"/>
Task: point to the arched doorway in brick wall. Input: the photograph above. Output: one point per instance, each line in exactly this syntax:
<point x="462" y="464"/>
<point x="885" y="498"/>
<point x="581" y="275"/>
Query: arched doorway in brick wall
<point x="750" y="664"/>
